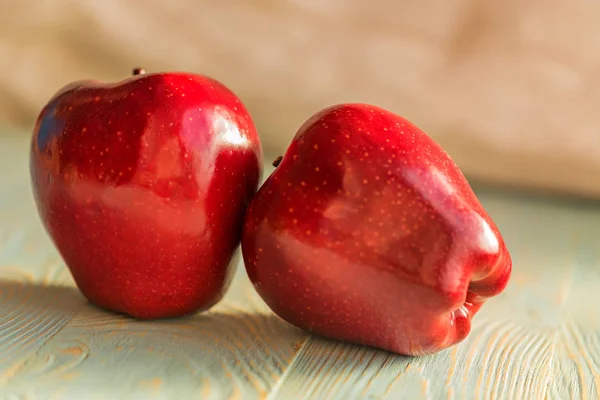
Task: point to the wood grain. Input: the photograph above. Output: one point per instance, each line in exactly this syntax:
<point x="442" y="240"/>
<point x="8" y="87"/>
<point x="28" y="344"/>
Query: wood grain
<point x="540" y="339"/>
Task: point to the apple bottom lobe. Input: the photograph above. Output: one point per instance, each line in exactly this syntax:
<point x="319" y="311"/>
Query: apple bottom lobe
<point x="153" y="297"/>
<point x="414" y="330"/>
<point x="321" y="291"/>
<point x="135" y="301"/>
<point x="131" y="264"/>
<point x="409" y="329"/>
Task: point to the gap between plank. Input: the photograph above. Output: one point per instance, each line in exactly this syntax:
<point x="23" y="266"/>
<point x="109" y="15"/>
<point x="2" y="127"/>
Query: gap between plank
<point x="277" y="386"/>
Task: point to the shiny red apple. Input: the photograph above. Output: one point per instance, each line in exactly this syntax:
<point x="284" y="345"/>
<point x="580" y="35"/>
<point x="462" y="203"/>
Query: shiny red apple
<point x="143" y="185"/>
<point x="367" y="232"/>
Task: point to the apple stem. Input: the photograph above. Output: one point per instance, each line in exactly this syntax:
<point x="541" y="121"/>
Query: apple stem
<point x="139" y="71"/>
<point x="277" y="161"/>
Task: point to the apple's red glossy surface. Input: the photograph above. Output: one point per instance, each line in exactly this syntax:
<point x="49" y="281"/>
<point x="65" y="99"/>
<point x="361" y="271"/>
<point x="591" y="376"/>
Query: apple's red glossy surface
<point x="143" y="185"/>
<point x="367" y="232"/>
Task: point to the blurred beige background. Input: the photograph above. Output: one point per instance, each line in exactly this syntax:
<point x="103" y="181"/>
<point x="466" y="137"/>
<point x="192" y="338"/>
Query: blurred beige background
<point x="509" y="88"/>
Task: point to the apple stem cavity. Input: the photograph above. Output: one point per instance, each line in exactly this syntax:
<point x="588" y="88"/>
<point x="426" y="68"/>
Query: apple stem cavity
<point x="277" y="161"/>
<point x="139" y="71"/>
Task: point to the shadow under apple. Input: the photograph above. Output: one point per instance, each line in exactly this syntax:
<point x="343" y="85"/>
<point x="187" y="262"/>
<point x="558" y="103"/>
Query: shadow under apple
<point x="217" y="354"/>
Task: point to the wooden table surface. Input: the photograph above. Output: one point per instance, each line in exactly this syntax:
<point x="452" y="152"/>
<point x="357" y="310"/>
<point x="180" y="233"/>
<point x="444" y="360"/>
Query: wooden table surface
<point x="540" y="339"/>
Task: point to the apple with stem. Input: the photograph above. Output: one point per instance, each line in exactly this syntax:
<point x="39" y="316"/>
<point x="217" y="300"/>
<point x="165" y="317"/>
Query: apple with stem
<point x="367" y="232"/>
<point x="142" y="185"/>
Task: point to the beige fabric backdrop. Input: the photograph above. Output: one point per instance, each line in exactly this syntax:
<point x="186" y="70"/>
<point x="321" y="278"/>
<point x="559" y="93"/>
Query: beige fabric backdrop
<point x="510" y="88"/>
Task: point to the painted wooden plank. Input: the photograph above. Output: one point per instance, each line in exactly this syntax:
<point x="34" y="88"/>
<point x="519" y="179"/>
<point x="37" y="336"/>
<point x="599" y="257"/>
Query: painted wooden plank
<point x="577" y="365"/>
<point x="540" y="339"/>
<point x="236" y="351"/>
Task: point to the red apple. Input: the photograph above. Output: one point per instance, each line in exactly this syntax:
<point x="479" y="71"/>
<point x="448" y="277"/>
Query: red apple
<point x="367" y="232"/>
<point x="143" y="185"/>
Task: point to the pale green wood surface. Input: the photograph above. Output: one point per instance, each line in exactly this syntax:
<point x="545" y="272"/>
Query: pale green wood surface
<point x="540" y="339"/>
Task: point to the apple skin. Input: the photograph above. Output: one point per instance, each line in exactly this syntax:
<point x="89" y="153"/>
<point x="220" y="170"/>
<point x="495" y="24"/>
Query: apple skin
<point x="143" y="185"/>
<point x="367" y="232"/>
